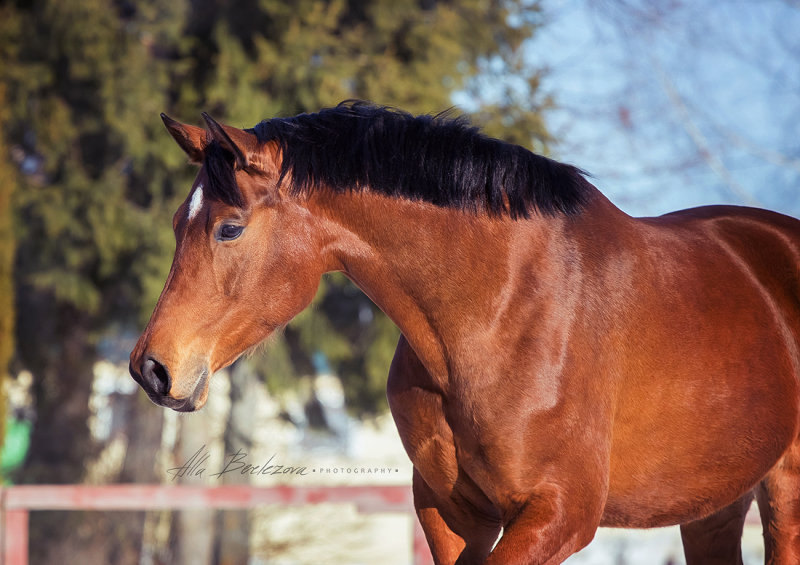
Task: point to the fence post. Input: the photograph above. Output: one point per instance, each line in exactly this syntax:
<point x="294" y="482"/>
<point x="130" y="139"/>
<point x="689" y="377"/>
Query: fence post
<point x="15" y="537"/>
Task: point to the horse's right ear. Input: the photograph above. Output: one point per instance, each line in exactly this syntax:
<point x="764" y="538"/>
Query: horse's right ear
<point x="191" y="139"/>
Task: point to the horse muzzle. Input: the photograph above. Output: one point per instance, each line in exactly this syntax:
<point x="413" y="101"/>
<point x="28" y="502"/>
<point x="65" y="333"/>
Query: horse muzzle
<point x="156" y="380"/>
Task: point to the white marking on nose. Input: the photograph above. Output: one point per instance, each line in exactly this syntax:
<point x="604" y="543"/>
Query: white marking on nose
<point x="196" y="202"/>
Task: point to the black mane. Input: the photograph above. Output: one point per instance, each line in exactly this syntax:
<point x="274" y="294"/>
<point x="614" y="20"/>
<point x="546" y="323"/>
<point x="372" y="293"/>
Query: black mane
<point x="437" y="159"/>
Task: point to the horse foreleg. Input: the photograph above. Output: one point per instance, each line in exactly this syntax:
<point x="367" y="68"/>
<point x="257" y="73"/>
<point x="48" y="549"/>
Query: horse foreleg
<point x="445" y="545"/>
<point x="778" y="496"/>
<point x="441" y="505"/>
<point x="717" y="539"/>
<point x="545" y="531"/>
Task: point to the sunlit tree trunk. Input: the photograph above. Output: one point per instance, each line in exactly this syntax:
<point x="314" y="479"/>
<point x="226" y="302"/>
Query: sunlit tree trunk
<point x="143" y="430"/>
<point x="200" y="441"/>
<point x="233" y="526"/>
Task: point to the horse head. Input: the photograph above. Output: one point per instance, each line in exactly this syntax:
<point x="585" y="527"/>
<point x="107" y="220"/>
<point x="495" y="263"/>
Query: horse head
<point x="246" y="262"/>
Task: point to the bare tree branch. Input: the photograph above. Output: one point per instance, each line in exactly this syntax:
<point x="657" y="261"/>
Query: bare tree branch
<point x="701" y="141"/>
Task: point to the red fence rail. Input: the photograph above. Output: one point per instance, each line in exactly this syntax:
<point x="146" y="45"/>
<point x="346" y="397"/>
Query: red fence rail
<point x="18" y="501"/>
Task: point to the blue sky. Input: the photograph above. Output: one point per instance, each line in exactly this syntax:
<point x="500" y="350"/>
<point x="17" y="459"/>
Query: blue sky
<point x="696" y="103"/>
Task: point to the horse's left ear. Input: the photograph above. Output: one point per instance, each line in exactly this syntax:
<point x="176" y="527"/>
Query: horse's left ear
<point x="239" y="142"/>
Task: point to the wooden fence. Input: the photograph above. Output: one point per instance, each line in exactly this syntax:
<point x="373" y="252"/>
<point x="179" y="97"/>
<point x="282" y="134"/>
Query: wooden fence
<point x="17" y="502"/>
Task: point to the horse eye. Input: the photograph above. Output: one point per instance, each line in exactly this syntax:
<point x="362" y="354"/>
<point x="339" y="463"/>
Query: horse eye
<point x="229" y="231"/>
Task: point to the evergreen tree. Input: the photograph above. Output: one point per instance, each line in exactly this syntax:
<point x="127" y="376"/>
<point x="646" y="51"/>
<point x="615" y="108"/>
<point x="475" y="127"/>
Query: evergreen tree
<point x="85" y="81"/>
<point x="95" y="206"/>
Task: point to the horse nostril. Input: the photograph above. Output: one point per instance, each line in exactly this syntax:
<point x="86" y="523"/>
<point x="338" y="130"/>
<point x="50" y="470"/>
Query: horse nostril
<point x="156" y="376"/>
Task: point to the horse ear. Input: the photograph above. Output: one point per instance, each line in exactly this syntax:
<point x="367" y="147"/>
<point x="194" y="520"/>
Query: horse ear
<point x="239" y="142"/>
<point x="191" y="139"/>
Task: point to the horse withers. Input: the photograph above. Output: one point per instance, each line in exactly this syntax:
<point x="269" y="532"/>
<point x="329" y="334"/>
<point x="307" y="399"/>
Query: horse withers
<point x="563" y="366"/>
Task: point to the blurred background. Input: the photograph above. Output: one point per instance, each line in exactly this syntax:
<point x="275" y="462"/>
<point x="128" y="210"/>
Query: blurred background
<point x="667" y="103"/>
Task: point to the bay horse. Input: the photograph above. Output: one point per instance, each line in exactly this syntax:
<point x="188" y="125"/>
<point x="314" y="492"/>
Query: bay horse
<point x="562" y="365"/>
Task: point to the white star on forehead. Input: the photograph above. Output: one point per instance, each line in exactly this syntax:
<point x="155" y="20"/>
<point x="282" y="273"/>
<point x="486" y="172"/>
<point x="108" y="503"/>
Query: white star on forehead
<point x="196" y="202"/>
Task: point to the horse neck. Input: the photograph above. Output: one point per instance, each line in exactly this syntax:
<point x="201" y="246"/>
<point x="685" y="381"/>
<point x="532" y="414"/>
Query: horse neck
<point x="442" y="275"/>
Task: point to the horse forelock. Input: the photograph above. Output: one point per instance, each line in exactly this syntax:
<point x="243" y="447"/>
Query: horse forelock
<point x="218" y="164"/>
<point x="440" y="159"/>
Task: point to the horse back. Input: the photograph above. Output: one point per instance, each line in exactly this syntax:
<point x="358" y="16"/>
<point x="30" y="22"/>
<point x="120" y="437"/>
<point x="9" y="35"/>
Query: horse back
<point x="761" y="244"/>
